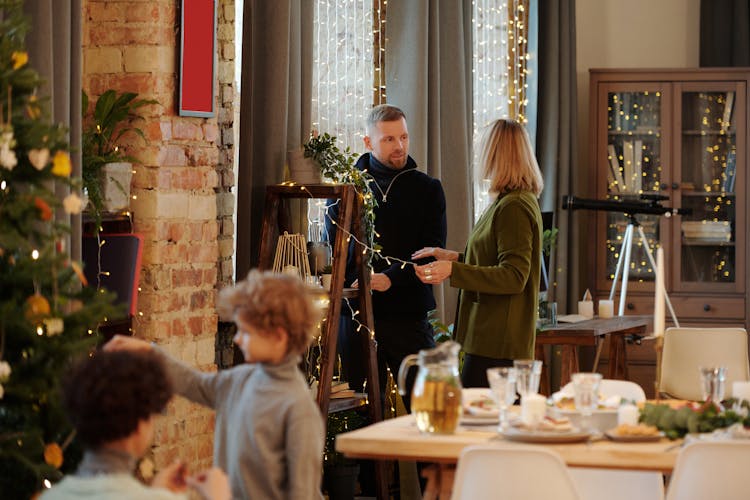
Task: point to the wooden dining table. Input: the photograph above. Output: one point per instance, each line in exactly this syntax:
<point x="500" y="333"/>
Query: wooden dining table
<point x="399" y="439"/>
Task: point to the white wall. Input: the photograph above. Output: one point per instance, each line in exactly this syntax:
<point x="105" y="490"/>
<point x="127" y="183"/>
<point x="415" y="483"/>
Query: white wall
<point x="631" y="34"/>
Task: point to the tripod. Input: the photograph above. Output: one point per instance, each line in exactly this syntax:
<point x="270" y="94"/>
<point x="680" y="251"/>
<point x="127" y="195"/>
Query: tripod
<point x="623" y="265"/>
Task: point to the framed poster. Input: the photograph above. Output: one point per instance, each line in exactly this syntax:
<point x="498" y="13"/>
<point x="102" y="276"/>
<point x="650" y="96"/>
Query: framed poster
<point x="197" y="58"/>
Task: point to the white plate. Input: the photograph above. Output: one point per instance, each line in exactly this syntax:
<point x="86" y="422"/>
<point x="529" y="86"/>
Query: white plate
<point x="473" y="394"/>
<point x="524" y="436"/>
<point x="474" y="420"/>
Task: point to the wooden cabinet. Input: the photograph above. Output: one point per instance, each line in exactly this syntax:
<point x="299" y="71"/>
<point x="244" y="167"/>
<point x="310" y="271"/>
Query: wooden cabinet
<point x="681" y="134"/>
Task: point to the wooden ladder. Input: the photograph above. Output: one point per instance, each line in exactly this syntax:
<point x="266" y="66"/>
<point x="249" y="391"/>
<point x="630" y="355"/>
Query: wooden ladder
<point x="350" y="220"/>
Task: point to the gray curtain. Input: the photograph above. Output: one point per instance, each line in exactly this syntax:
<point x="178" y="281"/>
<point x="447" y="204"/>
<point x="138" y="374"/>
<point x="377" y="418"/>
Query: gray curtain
<point x="556" y="140"/>
<point x="275" y="107"/>
<point x="428" y="75"/>
<point x="725" y="33"/>
<point x="54" y="46"/>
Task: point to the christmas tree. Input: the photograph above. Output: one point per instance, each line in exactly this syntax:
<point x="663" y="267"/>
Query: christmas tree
<point x="48" y="315"/>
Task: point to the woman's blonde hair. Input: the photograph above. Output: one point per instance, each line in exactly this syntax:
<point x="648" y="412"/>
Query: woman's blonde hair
<point x="507" y="160"/>
<point x="267" y="301"/>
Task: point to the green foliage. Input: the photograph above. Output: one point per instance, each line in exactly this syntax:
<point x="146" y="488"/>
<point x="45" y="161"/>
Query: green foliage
<point x="110" y="120"/>
<point x="676" y="422"/>
<point x="339" y="166"/>
<point x="549" y="240"/>
<point x="343" y="421"/>
<point x="443" y="332"/>
<point x="33" y="264"/>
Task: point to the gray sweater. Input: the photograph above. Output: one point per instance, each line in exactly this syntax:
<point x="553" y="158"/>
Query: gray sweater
<point x="269" y="432"/>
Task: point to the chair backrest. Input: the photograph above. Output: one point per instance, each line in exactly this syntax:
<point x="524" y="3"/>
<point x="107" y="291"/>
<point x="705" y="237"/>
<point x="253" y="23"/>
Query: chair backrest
<point x="686" y="349"/>
<point x="711" y="469"/>
<point x="596" y="484"/>
<point x="611" y="387"/>
<point x="513" y="472"/>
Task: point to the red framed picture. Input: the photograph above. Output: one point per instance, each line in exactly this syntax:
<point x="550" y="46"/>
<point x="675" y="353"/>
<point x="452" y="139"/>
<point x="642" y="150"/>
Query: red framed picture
<point x="197" y="58"/>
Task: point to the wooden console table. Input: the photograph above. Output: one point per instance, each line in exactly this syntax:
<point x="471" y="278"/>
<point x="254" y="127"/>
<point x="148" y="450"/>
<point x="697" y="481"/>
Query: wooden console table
<point x="569" y="336"/>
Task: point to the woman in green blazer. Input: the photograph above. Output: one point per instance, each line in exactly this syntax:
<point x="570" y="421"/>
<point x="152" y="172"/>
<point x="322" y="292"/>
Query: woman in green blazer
<point x="499" y="271"/>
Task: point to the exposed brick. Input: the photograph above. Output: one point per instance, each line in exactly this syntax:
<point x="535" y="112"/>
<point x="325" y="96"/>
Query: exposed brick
<point x="102" y="60"/>
<point x="166" y="129"/>
<point x="210" y="131"/>
<point x="105" y="11"/>
<point x="144" y="59"/>
<point x="202" y="207"/>
<point x="226" y="248"/>
<point x="187" y="129"/>
<point x="170" y="155"/>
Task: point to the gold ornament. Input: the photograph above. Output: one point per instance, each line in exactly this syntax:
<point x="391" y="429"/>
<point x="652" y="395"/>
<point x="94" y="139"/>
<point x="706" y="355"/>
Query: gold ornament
<point x="36" y="307"/>
<point x="53" y="455"/>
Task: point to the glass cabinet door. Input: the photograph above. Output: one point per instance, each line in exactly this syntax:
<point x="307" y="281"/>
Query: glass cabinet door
<point x="708" y="172"/>
<point x="634" y="168"/>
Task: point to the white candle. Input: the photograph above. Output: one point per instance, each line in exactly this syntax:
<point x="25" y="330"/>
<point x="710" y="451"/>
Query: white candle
<point x="741" y="390"/>
<point x="659" y="289"/>
<point x="586" y="308"/>
<point x="533" y="407"/>
<point x="627" y="415"/>
<point x="606" y="308"/>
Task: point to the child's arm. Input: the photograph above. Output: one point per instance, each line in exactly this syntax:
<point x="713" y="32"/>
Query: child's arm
<point x="304" y="454"/>
<point x="188" y="382"/>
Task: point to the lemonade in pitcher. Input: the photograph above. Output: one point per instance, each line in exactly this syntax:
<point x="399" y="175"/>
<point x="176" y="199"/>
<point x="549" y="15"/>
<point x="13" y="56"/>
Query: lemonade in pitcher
<point x="436" y="396"/>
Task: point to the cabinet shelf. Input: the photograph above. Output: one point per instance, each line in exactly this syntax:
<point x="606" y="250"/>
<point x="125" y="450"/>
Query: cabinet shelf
<point x="698" y="142"/>
<point x="728" y="132"/>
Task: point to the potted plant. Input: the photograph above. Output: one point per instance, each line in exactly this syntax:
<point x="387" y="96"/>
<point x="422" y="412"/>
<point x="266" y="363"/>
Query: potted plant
<point x="107" y="170"/>
<point x="340" y="473"/>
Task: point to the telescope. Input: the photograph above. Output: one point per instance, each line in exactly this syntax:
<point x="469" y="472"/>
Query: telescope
<point x="648" y="204"/>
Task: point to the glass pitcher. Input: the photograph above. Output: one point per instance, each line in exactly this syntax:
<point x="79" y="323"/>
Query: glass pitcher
<point x="436" y="396"/>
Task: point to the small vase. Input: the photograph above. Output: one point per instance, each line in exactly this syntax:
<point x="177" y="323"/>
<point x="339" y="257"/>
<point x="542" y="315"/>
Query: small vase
<point x="115" y="186"/>
<point x="303" y="170"/>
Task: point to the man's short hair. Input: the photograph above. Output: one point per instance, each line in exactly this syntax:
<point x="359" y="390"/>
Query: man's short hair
<point x="107" y="394"/>
<point x="383" y="113"/>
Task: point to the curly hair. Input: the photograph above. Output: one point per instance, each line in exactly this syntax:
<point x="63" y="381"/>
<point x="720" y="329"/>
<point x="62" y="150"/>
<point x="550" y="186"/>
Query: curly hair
<point x="267" y="301"/>
<point x="106" y="394"/>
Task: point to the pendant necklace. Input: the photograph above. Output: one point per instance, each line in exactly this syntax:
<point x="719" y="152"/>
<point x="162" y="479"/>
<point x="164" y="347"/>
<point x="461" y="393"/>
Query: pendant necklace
<point x="390" y="185"/>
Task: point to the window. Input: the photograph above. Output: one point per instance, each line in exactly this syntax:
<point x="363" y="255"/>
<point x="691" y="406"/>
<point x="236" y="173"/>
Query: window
<point x="349" y="76"/>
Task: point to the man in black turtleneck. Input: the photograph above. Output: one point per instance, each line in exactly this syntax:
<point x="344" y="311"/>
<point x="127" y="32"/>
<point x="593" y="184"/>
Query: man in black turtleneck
<point x="410" y="215"/>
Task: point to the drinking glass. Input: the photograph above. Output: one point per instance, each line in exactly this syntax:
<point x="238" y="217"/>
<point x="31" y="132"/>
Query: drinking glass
<point x="713" y="379"/>
<point x="503" y="385"/>
<point x="586" y="390"/>
<point x="529" y="372"/>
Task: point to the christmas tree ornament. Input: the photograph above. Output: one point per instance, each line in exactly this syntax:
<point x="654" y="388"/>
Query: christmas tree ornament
<point x="79" y="272"/>
<point x="54" y="326"/>
<point x="53" y="455"/>
<point x="36" y="307"/>
<point x="45" y="212"/>
<point x="39" y="158"/>
<point x="61" y="164"/>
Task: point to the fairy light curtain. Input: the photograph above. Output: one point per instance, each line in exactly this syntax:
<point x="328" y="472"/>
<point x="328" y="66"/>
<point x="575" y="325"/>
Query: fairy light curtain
<point x="500" y="58"/>
<point x="349" y="57"/>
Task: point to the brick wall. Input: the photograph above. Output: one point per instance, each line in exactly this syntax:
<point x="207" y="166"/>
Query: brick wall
<point x="182" y="202"/>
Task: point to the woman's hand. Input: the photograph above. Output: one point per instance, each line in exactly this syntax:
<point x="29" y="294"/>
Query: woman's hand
<point x="125" y="343"/>
<point x="438" y="253"/>
<point x="435" y="272"/>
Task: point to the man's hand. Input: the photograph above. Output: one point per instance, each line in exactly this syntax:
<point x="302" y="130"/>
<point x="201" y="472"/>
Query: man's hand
<point x="125" y="343"/>
<point x="438" y="253"/>
<point x="378" y="282"/>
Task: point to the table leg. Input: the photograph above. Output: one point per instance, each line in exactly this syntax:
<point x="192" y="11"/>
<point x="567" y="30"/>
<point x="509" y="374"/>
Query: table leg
<point x="544" y="381"/>
<point x="569" y="363"/>
<point x="618" y="358"/>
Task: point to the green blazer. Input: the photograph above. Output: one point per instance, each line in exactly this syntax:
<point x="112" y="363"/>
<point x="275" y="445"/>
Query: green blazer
<point x="499" y="279"/>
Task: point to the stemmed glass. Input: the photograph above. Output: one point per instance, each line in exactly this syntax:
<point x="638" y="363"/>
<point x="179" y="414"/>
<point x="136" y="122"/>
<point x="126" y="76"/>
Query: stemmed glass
<point x="586" y="390"/>
<point x="529" y="373"/>
<point x="503" y="385"/>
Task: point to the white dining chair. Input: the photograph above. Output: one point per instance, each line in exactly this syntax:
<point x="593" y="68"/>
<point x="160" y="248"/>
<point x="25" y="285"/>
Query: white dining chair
<point x="512" y="472"/>
<point x="595" y="484"/>
<point x="686" y="349"/>
<point x="611" y="387"/>
<point x="598" y="484"/>
<point x="711" y="469"/>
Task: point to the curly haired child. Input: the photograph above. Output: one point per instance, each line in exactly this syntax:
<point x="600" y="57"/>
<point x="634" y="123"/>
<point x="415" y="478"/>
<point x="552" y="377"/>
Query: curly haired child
<point x="269" y="431"/>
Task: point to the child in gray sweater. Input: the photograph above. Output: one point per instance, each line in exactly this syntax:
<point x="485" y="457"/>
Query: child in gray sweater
<point x="269" y="431"/>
